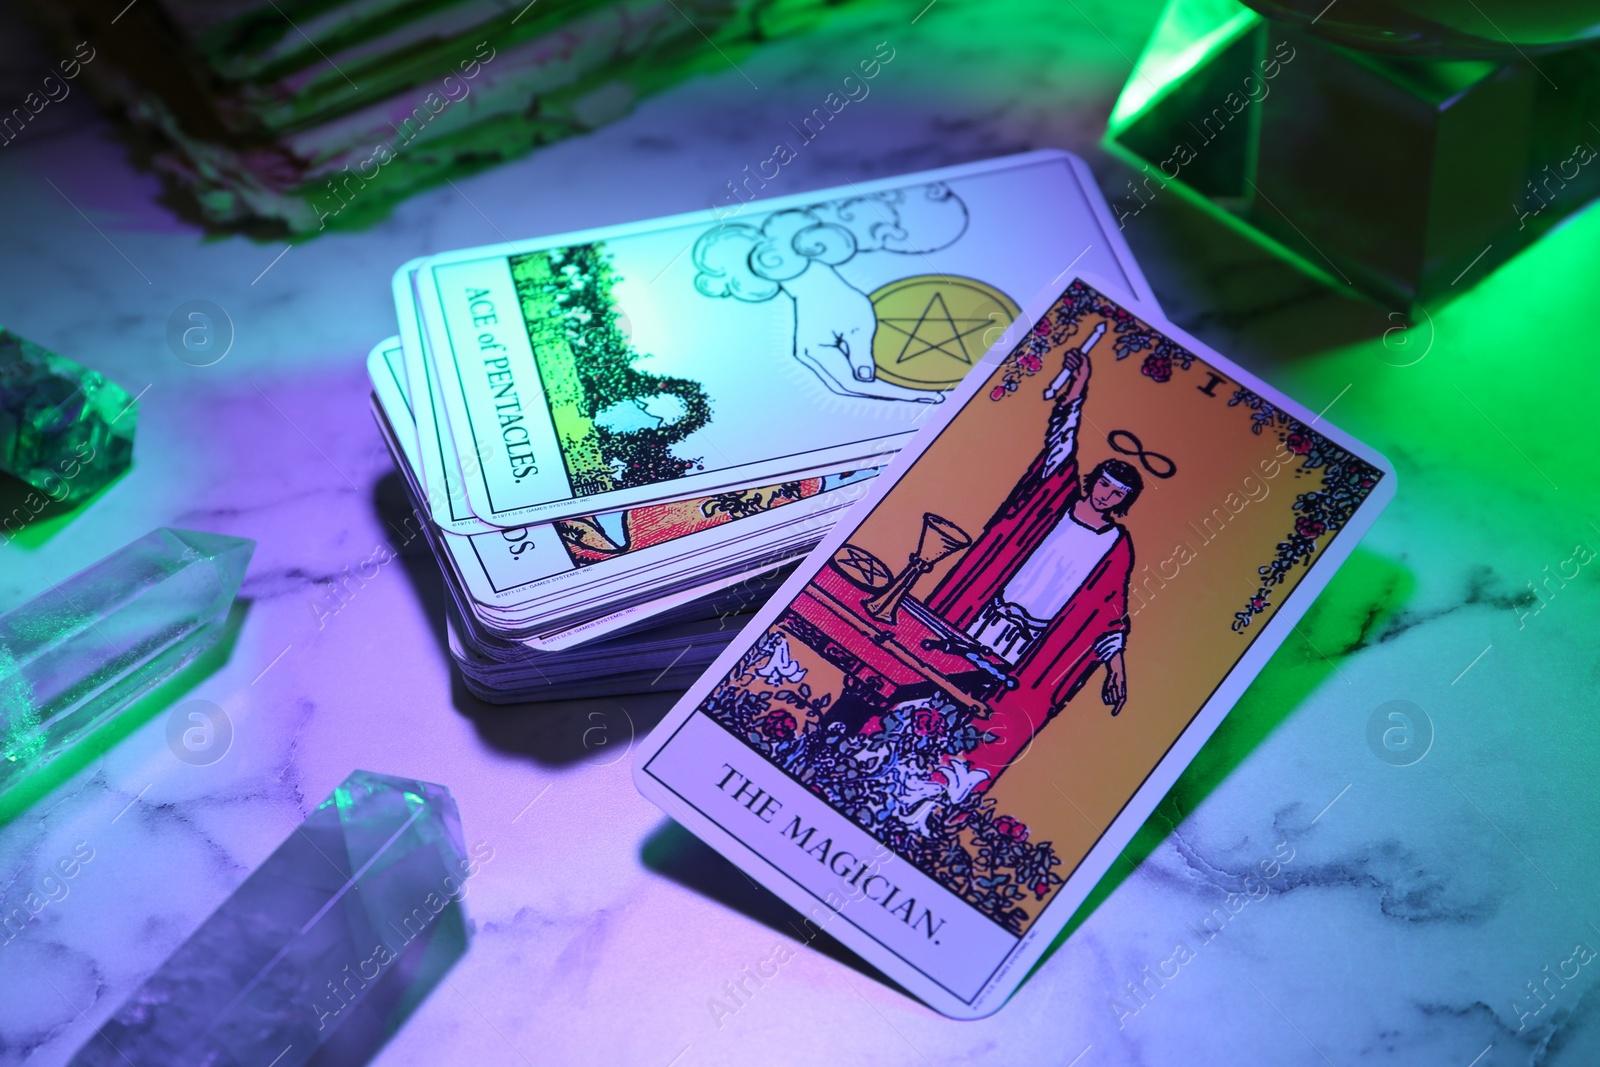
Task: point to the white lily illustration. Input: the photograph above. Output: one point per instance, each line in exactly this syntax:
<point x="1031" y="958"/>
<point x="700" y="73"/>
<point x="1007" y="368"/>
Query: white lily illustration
<point x="962" y="779"/>
<point x="781" y="665"/>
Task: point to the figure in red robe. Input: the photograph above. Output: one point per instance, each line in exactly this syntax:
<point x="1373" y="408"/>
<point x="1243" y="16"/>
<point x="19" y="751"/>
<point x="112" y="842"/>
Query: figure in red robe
<point x="1046" y="585"/>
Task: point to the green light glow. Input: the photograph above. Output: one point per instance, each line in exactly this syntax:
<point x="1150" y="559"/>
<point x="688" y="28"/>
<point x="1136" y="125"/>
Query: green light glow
<point x="1395" y="178"/>
<point x="1187" y="34"/>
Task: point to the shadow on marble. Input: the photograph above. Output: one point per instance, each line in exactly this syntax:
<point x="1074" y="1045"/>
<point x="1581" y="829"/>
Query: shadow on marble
<point x="392" y="506"/>
<point x="554" y="734"/>
<point x="18" y="500"/>
<point x="1233" y="294"/>
<point x="21" y="524"/>
<point x="559" y="733"/>
<point x="389" y="1005"/>
<point x="675" y="853"/>
<point x="1351" y="613"/>
<point x="19" y="798"/>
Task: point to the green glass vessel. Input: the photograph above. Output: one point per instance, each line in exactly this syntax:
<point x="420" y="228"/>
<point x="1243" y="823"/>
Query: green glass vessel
<point x="1475" y="28"/>
<point x="1406" y="175"/>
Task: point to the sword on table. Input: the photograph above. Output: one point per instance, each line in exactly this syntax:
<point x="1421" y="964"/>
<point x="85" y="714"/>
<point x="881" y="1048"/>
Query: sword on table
<point x="1061" y="380"/>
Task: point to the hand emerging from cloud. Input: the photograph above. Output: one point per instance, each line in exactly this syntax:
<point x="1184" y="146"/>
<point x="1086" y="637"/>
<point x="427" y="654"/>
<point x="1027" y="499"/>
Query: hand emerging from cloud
<point x="797" y="252"/>
<point x="834" y="324"/>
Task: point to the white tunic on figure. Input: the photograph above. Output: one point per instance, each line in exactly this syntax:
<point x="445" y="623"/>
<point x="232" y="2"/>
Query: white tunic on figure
<point x="1050" y="576"/>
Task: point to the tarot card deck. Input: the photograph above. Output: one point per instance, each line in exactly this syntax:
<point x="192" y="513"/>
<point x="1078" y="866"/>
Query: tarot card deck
<point x="1051" y="537"/>
<point x="611" y="435"/>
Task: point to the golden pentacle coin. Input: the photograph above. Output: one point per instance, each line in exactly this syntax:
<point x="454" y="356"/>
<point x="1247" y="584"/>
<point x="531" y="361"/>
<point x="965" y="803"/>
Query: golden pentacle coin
<point x="932" y="328"/>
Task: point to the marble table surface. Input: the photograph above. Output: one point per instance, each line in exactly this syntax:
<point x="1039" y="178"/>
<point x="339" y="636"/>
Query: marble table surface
<point x="1421" y="914"/>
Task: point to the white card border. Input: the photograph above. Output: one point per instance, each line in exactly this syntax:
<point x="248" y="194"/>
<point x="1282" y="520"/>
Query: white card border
<point x="866" y="452"/>
<point x="1088" y="872"/>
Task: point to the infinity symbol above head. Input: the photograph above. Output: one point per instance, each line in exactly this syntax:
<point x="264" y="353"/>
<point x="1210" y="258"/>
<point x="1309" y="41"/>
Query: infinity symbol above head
<point x="1155" y="463"/>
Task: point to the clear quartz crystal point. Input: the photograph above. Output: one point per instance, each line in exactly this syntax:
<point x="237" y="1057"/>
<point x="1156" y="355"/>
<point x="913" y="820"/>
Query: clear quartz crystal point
<point x="83" y="650"/>
<point x="325" y="949"/>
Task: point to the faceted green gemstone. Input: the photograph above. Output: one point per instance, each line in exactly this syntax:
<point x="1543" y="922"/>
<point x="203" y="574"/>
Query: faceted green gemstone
<point x="64" y="429"/>
<point x="86" y="648"/>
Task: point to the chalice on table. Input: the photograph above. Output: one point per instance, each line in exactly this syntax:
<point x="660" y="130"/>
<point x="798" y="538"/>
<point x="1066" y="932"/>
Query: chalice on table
<point x="938" y="539"/>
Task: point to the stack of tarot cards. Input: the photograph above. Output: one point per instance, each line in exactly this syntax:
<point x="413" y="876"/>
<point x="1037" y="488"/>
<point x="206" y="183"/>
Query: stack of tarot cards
<point x="617" y="440"/>
<point x="306" y="114"/>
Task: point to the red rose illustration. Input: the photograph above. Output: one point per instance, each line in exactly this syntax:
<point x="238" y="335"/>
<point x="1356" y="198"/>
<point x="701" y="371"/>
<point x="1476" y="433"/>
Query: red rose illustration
<point x="928" y="723"/>
<point x="1157" y="368"/>
<point x="1011" y="828"/>
<point x="778" y="726"/>
<point x="1298" y="443"/>
<point x="1308" y="528"/>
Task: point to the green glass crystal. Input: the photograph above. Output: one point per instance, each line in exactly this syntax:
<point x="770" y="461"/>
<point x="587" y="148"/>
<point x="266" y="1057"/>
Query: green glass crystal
<point x="78" y="653"/>
<point x="1406" y="177"/>
<point x="324" y="950"/>
<point x="64" y="429"/>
